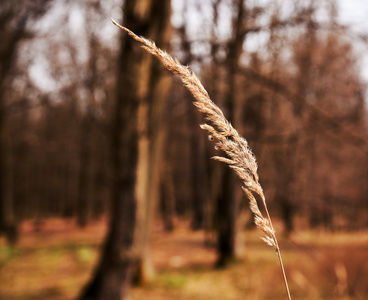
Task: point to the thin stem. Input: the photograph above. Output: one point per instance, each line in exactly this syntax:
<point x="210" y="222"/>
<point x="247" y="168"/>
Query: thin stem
<point x="283" y="273"/>
<point x="277" y="249"/>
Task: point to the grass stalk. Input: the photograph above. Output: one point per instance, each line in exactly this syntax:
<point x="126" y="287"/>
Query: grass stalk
<point x="239" y="156"/>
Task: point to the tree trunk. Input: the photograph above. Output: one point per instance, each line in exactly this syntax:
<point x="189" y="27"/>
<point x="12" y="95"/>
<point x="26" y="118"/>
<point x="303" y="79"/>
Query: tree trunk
<point x="226" y="200"/>
<point x="130" y="152"/>
<point x="83" y="205"/>
<point x="151" y="137"/>
<point x="198" y="176"/>
<point x="2" y="166"/>
<point x="226" y="220"/>
<point x="8" y="53"/>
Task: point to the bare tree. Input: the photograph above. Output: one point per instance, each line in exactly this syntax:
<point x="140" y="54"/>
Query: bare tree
<point x="14" y="18"/>
<point x="128" y="229"/>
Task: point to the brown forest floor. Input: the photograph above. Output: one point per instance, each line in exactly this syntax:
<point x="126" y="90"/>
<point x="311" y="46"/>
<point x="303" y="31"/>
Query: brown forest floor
<point x="55" y="262"/>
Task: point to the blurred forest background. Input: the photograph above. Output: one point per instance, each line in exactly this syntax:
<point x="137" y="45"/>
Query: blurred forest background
<point x="91" y="126"/>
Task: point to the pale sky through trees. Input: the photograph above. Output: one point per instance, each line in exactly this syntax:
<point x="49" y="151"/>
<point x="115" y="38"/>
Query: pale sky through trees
<point x="353" y="13"/>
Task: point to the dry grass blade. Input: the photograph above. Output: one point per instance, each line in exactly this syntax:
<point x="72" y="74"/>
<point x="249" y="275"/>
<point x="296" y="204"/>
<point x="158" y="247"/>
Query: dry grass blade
<point x="239" y="156"/>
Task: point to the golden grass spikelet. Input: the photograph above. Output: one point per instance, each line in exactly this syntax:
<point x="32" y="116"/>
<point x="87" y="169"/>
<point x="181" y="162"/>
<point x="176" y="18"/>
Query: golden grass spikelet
<point x="239" y="156"/>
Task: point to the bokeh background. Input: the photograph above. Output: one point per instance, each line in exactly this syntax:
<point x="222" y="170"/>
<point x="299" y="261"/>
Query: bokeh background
<point x="107" y="189"/>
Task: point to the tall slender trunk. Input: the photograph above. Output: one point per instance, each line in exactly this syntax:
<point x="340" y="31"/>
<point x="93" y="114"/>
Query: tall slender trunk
<point x="83" y="206"/>
<point x="3" y="206"/>
<point x="226" y="200"/>
<point x="7" y="58"/>
<point x="151" y="138"/>
<point x="131" y="210"/>
<point x="198" y="176"/>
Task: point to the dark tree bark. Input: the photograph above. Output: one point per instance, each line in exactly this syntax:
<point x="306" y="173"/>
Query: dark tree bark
<point x="151" y="138"/>
<point x="198" y="173"/>
<point x="84" y="163"/>
<point x="10" y="38"/>
<point x="3" y="208"/>
<point x="13" y="20"/>
<point x="111" y="278"/>
<point x="121" y="253"/>
<point x="226" y="200"/>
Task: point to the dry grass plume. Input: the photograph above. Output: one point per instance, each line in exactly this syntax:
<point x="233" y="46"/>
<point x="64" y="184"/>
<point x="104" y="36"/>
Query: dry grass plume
<point x="239" y="156"/>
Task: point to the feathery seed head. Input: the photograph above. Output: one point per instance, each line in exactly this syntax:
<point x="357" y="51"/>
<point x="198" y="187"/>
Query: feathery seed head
<point x="239" y="156"/>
